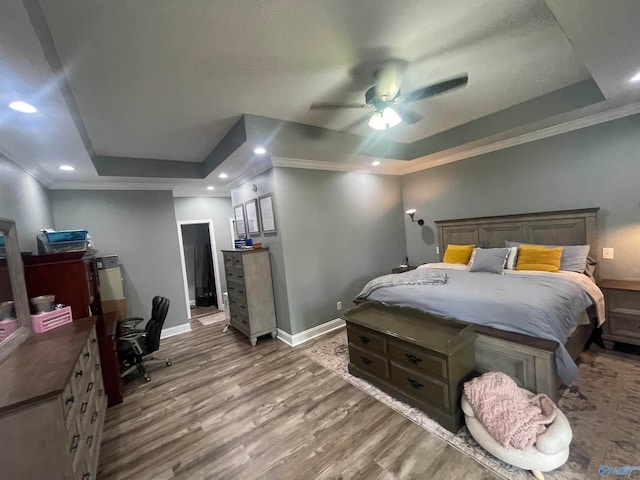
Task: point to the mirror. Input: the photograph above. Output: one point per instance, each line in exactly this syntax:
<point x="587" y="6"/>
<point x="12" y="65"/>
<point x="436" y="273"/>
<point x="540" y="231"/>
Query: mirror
<point x="15" y="320"/>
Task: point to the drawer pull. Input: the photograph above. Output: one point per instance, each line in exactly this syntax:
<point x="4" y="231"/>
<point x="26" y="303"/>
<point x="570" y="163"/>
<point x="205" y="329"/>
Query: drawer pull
<point x="87" y="355"/>
<point x="74" y="442"/>
<point x="413" y="359"/>
<point x="87" y="475"/>
<point x="89" y="440"/>
<point x="366" y="361"/>
<point x="93" y="340"/>
<point x="243" y="306"/>
<point x="90" y="387"/>
<point x="97" y="367"/>
<point x="78" y="373"/>
<point x="94" y="415"/>
<point x="364" y="339"/>
<point x="100" y="392"/>
<point x="415" y="384"/>
<point x="241" y="291"/>
<point x="230" y="288"/>
<point x="69" y="400"/>
<point x="83" y="407"/>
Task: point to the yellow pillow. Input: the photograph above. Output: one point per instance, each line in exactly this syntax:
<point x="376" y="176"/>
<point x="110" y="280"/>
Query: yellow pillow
<point x="533" y="257"/>
<point x="458" y="254"/>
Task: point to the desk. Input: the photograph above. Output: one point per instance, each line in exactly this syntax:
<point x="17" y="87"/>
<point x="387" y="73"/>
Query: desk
<point x="106" y="327"/>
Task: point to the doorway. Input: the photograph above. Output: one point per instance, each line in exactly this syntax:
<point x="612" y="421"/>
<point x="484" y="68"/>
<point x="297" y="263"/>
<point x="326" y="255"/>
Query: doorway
<point x="200" y="269"/>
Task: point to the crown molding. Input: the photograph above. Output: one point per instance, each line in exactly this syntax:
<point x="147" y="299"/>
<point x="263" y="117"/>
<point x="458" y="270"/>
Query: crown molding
<point x="186" y="194"/>
<point x="112" y="186"/>
<point x="514" y="138"/>
<point x="334" y="166"/>
<point x="34" y="170"/>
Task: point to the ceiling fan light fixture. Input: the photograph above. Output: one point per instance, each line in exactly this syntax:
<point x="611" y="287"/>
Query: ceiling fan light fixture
<point x="377" y="122"/>
<point x="391" y="117"/>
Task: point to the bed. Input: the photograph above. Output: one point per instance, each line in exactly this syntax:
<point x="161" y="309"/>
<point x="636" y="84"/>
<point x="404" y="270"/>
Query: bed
<point x="537" y="360"/>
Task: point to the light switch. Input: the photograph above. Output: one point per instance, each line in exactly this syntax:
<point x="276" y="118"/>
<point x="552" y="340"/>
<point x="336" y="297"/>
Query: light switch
<point x="607" y="253"/>
<point x="437" y="250"/>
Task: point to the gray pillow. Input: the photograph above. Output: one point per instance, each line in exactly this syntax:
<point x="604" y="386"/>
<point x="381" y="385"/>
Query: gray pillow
<point x="490" y="260"/>
<point x="574" y="257"/>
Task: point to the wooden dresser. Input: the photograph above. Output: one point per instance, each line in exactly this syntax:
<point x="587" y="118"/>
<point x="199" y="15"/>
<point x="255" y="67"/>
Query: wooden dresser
<point x="422" y="362"/>
<point x="248" y="274"/>
<point x="622" y="298"/>
<point x="52" y="405"/>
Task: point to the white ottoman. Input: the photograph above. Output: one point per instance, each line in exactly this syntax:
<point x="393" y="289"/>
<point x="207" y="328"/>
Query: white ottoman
<point x="550" y="451"/>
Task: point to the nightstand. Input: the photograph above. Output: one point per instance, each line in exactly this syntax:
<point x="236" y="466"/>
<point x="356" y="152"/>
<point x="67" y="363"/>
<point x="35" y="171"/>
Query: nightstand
<point x="406" y="268"/>
<point x="622" y="299"/>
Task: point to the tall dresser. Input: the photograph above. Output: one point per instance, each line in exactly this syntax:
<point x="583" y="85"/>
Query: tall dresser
<point x="248" y="274"/>
<point x="52" y="405"/>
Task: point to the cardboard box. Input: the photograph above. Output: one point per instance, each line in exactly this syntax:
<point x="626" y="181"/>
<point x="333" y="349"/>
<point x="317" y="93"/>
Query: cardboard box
<point x="119" y="305"/>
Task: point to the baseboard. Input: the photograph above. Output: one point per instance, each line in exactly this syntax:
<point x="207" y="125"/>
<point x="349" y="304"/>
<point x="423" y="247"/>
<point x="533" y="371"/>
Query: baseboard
<point x="177" y="330"/>
<point x="302" y="337"/>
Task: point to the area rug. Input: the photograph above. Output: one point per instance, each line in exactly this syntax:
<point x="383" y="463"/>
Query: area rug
<point x="211" y="318"/>
<point x="603" y="407"/>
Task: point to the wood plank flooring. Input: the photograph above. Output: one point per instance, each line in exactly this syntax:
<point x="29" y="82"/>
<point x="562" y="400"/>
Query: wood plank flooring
<point x="226" y="410"/>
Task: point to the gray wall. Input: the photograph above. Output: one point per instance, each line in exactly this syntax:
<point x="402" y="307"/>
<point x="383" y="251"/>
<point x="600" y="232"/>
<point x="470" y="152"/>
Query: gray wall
<point x="217" y="209"/>
<point x="140" y="226"/>
<point x="594" y="167"/>
<point x="265" y="183"/>
<point x="26" y="201"/>
<point x="194" y="238"/>
<point x="338" y="230"/>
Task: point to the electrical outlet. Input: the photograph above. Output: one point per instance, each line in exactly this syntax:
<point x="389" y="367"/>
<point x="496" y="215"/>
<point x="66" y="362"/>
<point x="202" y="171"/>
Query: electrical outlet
<point x="339" y="305"/>
<point x="437" y="250"/>
<point x="607" y="253"/>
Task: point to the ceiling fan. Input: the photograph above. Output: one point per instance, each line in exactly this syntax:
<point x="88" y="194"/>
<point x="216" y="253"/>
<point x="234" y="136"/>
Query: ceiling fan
<point x="389" y="104"/>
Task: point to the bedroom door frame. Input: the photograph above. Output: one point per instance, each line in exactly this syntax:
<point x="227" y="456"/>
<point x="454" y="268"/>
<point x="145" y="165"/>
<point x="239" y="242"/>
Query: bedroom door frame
<point x="214" y="256"/>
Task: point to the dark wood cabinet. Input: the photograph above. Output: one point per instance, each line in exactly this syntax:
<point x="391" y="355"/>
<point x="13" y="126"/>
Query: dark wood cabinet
<point x="72" y="277"/>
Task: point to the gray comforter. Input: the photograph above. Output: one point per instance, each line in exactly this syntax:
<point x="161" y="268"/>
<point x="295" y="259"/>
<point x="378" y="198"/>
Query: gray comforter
<point x="538" y="306"/>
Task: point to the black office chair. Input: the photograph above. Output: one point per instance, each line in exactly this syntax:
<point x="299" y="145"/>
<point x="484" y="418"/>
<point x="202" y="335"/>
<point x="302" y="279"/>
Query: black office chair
<point x="135" y="346"/>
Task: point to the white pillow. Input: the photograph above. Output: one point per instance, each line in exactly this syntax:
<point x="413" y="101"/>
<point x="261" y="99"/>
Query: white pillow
<point x="511" y="259"/>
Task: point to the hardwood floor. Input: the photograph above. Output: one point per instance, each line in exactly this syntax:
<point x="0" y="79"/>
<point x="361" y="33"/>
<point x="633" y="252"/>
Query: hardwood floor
<point x="227" y="410"/>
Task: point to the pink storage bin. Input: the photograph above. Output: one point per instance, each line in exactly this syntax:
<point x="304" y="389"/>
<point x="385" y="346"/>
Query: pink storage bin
<point x="7" y="327"/>
<point x="43" y="322"/>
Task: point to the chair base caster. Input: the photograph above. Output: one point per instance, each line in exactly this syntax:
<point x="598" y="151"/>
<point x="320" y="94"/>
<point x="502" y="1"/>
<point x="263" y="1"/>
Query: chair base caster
<point x="147" y="379"/>
<point x="168" y="362"/>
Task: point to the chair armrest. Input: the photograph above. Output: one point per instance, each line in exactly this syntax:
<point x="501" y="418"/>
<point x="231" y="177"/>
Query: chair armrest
<point x="557" y="437"/>
<point x="131" y="322"/>
<point x="132" y="338"/>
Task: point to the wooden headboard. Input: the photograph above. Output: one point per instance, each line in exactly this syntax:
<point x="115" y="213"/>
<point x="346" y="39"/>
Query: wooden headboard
<point x="566" y="227"/>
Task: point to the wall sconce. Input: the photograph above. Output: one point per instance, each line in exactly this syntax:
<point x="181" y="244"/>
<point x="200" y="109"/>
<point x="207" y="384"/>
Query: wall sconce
<point x="411" y="213"/>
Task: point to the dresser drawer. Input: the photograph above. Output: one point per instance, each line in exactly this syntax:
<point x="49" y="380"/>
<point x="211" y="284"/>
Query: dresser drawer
<point x="235" y="275"/>
<point x="236" y="289"/>
<point x="416" y="358"/>
<point x="367" y="339"/>
<point x="419" y="386"/>
<point x="368" y="361"/>
<point x="624" y="325"/>
<point x="623" y="301"/>
<point x="232" y="259"/>
<point x="240" y="323"/>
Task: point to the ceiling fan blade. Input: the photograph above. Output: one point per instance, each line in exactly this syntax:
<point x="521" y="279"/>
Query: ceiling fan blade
<point x="409" y="116"/>
<point x="336" y="106"/>
<point x="436" y="89"/>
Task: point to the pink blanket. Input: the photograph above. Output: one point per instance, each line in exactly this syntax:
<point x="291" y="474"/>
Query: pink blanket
<point x="508" y="414"/>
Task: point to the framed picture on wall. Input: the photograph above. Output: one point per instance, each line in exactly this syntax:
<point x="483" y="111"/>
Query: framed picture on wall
<point x="238" y="215"/>
<point x="267" y="215"/>
<point x="251" y="209"/>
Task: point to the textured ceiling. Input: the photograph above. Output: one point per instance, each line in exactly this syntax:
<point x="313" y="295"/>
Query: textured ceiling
<point x="166" y="80"/>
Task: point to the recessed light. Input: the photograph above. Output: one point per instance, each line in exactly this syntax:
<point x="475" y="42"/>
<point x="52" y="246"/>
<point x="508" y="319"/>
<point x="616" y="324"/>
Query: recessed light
<point x="66" y="168"/>
<point x="635" y="78"/>
<point x="23" y="107"/>
<point x="211" y="187"/>
<point x="223" y="175"/>
<point x="259" y="151"/>
<point x="376" y="163"/>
